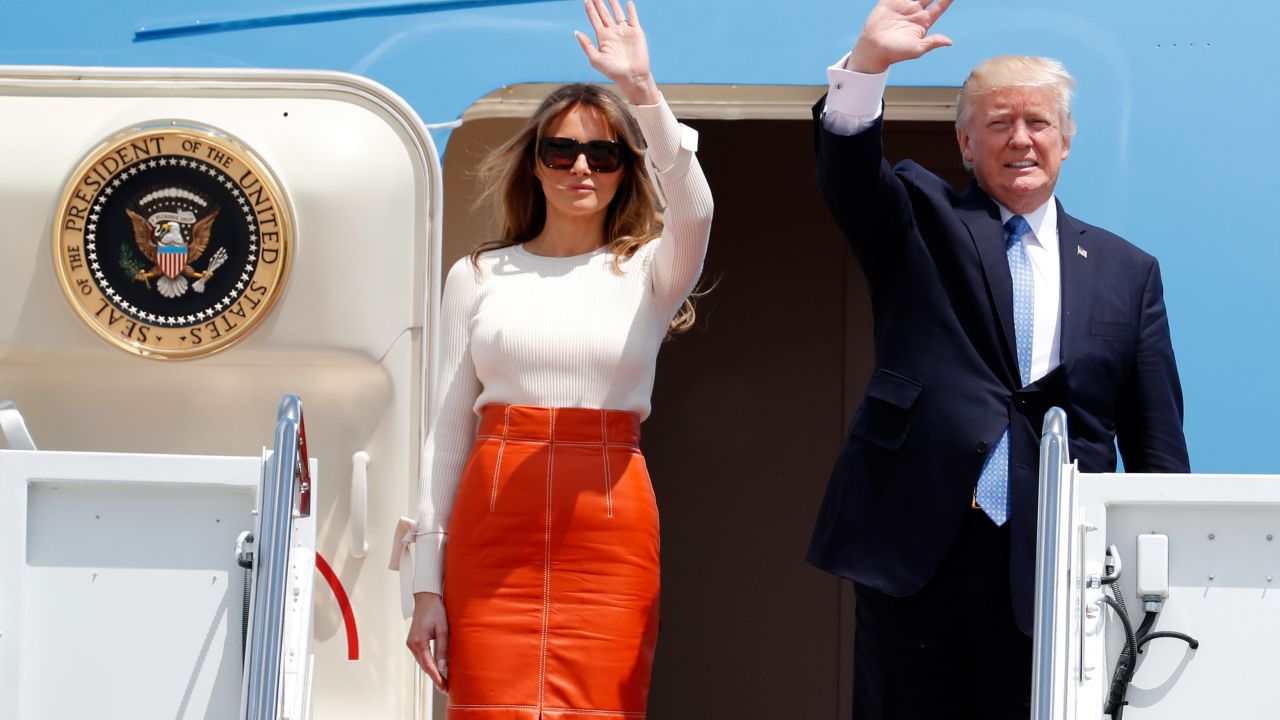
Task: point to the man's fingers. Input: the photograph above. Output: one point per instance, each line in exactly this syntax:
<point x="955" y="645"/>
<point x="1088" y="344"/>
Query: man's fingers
<point x="935" y="9"/>
<point x="632" y="14"/>
<point x="934" y="42"/>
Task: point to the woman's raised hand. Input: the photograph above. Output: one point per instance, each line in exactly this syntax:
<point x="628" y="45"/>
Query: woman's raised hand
<point x="620" y="51"/>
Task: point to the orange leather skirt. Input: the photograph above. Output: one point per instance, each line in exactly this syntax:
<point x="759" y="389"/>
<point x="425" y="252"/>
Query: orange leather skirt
<point x="551" y="569"/>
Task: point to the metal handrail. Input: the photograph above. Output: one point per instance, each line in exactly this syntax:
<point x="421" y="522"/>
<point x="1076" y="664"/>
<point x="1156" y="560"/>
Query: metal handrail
<point x="285" y="480"/>
<point x="1054" y="457"/>
<point x="14" y="428"/>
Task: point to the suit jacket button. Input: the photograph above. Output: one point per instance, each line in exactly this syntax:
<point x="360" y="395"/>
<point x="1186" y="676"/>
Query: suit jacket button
<point x="982" y="448"/>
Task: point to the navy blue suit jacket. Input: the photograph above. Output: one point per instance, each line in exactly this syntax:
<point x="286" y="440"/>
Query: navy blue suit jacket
<point x="946" y="381"/>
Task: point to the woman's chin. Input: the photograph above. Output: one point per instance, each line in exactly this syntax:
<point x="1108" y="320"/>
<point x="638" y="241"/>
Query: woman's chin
<point x="580" y="207"/>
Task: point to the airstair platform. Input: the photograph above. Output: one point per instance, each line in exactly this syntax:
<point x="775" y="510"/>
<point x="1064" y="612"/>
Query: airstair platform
<point x="1195" y="556"/>
<point x="123" y="594"/>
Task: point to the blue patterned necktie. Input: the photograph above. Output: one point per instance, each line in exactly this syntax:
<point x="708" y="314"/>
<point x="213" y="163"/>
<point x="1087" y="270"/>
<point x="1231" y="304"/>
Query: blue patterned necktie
<point x="993" y="484"/>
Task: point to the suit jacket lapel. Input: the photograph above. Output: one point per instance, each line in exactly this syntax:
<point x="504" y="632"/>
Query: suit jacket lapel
<point x="982" y="217"/>
<point x="1078" y="278"/>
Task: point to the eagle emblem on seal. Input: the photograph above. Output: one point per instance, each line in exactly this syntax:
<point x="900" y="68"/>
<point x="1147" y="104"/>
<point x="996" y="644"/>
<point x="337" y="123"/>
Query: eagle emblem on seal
<point x="162" y="237"/>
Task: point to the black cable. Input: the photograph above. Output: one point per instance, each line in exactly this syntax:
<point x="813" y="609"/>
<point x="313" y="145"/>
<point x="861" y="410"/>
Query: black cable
<point x="1123" y="672"/>
<point x="1129" y="656"/>
<point x="1114" y="705"/>
<point x="1124" y="610"/>
<point x="244" y="617"/>
<point x="1117" y="604"/>
<point x="1127" y="662"/>
<point x="1111" y="575"/>
<point x="1195" y="644"/>
<point x="1148" y="620"/>
<point x="244" y="559"/>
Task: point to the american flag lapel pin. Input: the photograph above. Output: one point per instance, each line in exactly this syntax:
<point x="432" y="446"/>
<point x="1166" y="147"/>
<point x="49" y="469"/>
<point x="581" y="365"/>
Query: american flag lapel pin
<point x="1082" y="252"/>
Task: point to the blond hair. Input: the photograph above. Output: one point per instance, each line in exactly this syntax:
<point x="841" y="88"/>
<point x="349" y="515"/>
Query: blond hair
<point x="634" y="216"/>
<point x="1005" y="71"/>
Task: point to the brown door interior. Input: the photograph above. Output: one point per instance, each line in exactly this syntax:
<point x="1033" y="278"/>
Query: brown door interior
<point x="749" y="411"/>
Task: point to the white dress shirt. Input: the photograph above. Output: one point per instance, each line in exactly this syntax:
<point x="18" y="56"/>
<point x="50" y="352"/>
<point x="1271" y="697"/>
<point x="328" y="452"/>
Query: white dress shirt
<point x="853" y="104"/>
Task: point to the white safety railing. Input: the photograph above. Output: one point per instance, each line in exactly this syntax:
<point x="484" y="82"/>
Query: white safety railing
<point x="285" y="492"/>
<point x="1047" y="691"/>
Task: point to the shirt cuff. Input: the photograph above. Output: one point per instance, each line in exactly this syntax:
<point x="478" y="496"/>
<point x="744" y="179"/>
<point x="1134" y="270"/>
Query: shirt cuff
<point x="428" y="555"/>
<point x="853" y="98"/>
<point x="662" y="133"/>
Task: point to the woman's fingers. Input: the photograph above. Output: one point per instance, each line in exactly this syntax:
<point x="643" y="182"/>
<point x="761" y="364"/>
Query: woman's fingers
<point x="442" y="656"/>
<point x="593" y="16"/>
<point x="588" y="47"/>
<point x="602" y="12"/>
<point x="428" y="664"/>
<point x="430" y="623"/>
<point x="618" y="16"/>
<point x="620" y="51"/>
<point x="421" y="648"/>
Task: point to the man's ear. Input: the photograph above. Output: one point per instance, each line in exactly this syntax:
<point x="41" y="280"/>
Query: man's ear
<point x="1066" y="147"/>
<point x="962" y="139"/>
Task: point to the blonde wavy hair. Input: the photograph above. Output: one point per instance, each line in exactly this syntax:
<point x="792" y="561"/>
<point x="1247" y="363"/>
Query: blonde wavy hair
<point x="1006" y="71"/>
<point x="510" y="186"/>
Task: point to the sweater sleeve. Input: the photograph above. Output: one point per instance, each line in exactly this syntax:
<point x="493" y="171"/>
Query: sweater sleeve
<point x="453" y="425"/>
<point x="677" y="258"/>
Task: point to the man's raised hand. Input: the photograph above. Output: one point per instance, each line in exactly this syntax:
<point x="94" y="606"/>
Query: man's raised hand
<point x="897" y="30"/>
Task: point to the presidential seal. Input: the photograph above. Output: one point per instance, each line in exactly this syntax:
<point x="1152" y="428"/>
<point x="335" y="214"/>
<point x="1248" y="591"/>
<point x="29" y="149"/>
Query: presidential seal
<point x="173" y="240"/>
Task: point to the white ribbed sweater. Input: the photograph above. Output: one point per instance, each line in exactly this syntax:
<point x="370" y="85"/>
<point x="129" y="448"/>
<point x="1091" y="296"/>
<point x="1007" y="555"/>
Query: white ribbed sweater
<point x="525" y="329"/>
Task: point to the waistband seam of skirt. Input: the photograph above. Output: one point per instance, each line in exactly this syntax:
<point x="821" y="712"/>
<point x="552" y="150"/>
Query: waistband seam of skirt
<point x="546" y="441"/>
<point x="625" y="713"/>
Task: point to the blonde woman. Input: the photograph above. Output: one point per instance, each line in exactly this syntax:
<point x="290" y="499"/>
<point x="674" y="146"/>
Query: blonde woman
<point x="536" y="572"/>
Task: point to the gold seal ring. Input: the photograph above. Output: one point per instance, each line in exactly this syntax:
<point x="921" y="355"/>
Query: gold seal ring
<point x="173" y="240"/>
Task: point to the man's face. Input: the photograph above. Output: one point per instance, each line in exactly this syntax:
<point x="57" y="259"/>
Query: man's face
<point x="1014" y="141"/>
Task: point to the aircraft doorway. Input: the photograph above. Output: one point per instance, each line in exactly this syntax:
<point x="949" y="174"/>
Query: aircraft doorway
<point x="750" y="407"/>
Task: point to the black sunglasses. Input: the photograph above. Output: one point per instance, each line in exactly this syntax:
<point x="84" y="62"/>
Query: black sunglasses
<point x="560" y="153"/>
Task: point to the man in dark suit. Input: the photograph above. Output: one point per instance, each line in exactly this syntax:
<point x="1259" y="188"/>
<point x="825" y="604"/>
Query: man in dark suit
<point x="990" y="307"/>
